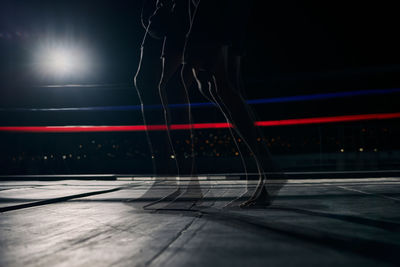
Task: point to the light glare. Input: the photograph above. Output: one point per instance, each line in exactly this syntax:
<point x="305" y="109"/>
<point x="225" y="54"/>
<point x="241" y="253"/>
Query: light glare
<point x="62" y="61"/>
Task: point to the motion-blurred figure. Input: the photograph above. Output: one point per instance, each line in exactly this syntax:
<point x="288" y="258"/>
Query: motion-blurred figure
<point x="205" y="39"/>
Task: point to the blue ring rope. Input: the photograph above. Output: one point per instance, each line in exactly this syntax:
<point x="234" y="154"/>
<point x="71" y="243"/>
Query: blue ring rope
<point x="297" y="98"/>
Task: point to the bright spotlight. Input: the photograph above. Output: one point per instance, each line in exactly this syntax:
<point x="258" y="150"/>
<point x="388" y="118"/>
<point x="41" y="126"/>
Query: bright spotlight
<point x="62" y="61"/>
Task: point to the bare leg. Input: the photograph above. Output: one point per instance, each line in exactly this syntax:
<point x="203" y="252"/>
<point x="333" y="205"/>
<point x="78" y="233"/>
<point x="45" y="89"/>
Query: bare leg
<point x="272" y="186"/>
<point x="139" y="94"/>
<point x="187" y="79"/>
<point x="232" y="104"/>
<point x="202" y="79"/>
<point x="223" y="92"/>
<point x="193" y="189"/>
<point x="139" y="83"/>
<point x="269" y="188"/>
<point x="169" y="67"/>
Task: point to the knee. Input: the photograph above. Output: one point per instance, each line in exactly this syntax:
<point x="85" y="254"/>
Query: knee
<point x="162" y="86"/>
<point x="205" y="82"/>
<point x="138" y="81"/>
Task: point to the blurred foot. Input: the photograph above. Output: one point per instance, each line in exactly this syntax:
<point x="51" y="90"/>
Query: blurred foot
<point x="262" y="200"/>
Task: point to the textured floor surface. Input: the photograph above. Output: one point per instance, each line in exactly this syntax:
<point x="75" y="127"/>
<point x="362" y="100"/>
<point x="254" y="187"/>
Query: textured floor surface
<point x="325" y="222"/>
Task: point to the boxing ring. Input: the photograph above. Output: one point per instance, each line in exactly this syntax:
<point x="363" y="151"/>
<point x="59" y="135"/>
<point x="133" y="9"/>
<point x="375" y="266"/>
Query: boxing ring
<point x="154" y="220"/>
<point x="120" y="128"/>
<point x="115" y="128"/>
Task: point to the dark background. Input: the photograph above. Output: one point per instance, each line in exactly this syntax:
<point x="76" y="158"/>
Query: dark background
<point x="288" y="42"/>
<point x="292" y="48"/>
